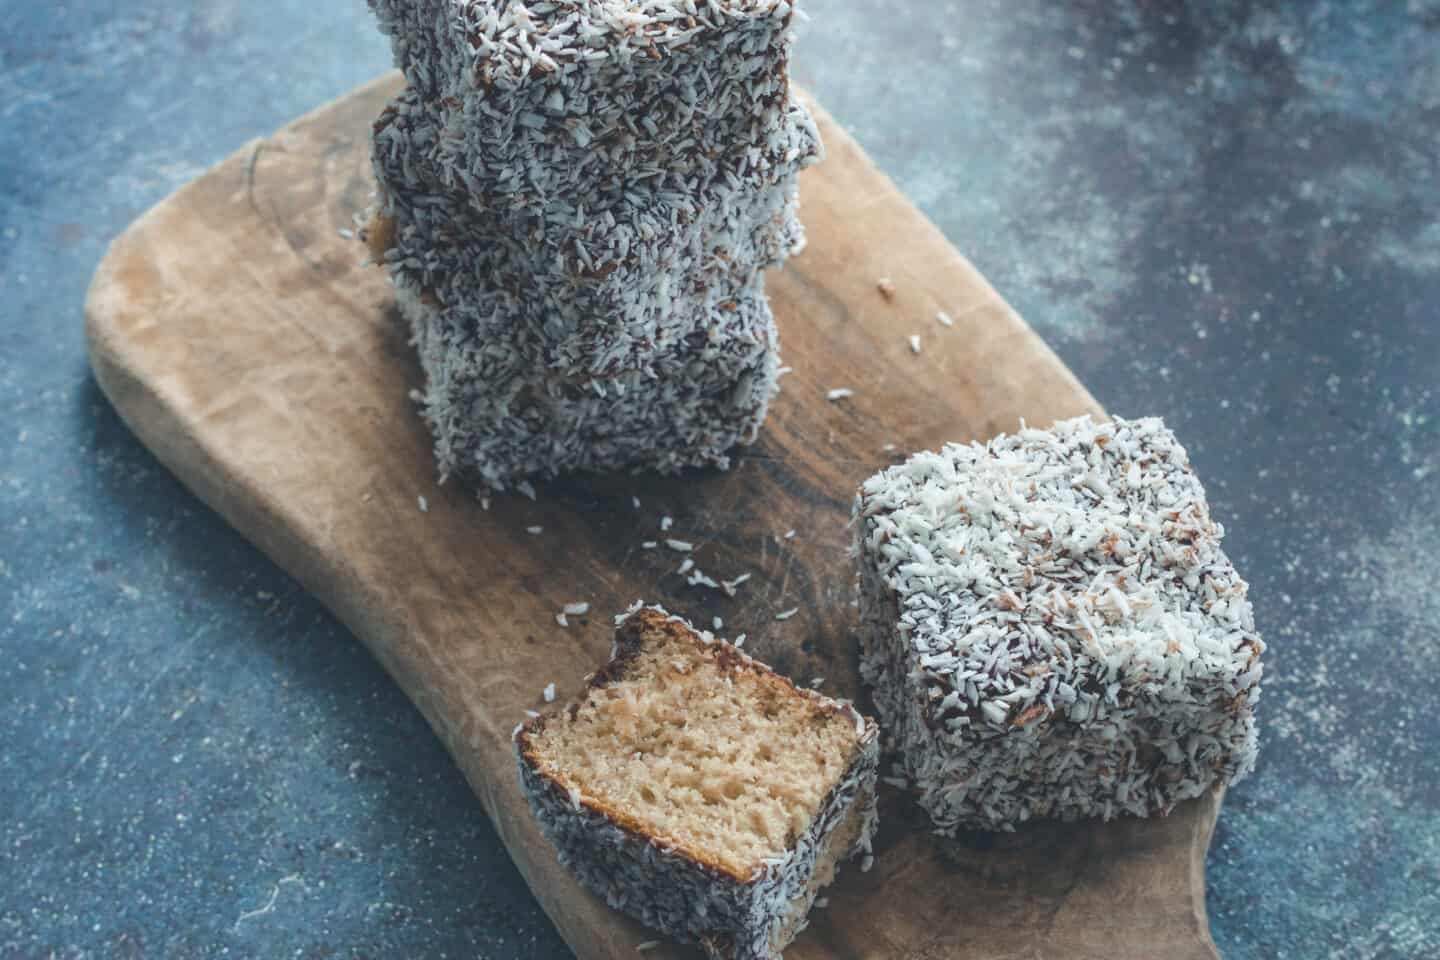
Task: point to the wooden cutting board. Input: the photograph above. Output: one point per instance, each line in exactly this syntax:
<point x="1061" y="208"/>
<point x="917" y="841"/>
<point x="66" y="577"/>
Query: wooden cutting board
<point x="237" y="333"/>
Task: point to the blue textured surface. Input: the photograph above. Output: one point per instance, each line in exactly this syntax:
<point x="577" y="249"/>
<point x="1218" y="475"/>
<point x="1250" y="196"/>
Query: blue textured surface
<point x="1222" y="213"/>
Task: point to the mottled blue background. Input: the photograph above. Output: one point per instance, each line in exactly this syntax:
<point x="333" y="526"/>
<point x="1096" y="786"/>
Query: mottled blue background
<point x="1224" y="213"/>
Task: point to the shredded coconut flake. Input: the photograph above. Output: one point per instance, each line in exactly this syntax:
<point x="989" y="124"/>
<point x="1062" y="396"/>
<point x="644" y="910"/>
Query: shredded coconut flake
<point x="680" y="546"/>
<point x="577" y="609"/>
<point x="839" y="393"/>
<point x="549" y="693"/>
<point x="787" y="614"/>
<point x="945" y="319"/>
<point x="915" y="343"/>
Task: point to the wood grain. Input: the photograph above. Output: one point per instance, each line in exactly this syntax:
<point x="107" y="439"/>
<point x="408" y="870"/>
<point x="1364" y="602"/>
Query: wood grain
<point x="237" y="334"/>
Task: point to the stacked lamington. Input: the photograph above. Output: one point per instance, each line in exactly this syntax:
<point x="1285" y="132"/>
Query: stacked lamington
<point x="578" y="199"/>
<point x="1052" y="628"/>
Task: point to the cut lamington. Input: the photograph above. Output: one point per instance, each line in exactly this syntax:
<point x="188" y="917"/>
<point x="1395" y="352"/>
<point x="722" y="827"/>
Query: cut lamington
<point x="700" y="792"/>
<point x="1051" y="628"/>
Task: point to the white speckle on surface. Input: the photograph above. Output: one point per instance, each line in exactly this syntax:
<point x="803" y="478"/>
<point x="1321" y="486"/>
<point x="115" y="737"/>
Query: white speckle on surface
<point x="839" y="393"/>
<point x="739" y="641"/>
<point x="666" y="523"/>
<point x="561" y="619"/>
<point x="915" y="343"/>
<point x="718" y="623"/>
<point x="686" y="566"/>
<point x="787" y="614"/>
<point x="423" y="504"/>
<point x="526" y="488"/>
<point x="680" y="546"/>
<point x="789" y="535"/>
<point x="649" y="545"/>
<point x="635" y="502"/>
<point x="534" y="531"/>
<point x="944" y="319"/>
<point x="886" y="286"/>
<point x="549" y="693"/>
<point x="577" y="609"/>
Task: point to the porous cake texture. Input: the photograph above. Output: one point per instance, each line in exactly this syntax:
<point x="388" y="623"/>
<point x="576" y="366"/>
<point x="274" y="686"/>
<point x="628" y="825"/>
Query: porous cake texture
<point x="1052" y="629"/>
<point x="700" y="792"/>
<point x="578" y="192"/>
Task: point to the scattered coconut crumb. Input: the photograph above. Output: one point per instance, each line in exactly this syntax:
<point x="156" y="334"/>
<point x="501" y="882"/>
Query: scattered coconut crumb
<point x="549" y="693"/>
<point x="635" y="502"/>
<point x="577" y="609"/>
<point x="898" y="782"/>
<point x="789" y="535"/>
<point x="485" y="504"/>
<point x="839" y="393"/>
<point x="561" y="619"/>
<point x="816" y="682"/>
<point x="666" y="523"/>
<point x="787" y="614"/>
<point x="945" y="319"/>
<point x="783" y="371"/>
<point x="649" y="545"/>
<point x="346" y="233"/>
<point x="424" y="504"/>
<point x="915" y="343"/>
<point x="680" y="546"/>
<point x="532" y="714"/>
<point x="516" y="732"/>
<point x="646" y="946"/>
<point x="739" y="641"/>
<point x="867" y="863"/>
<point x="886" y="286"/>
<point x="701" y="579"/>
<point x="718" y="623"/>
<point x="526" y="488"/>
<point x="534" y="531"/>
<point x="730" y="586"/>
<point x="821" y="903"/>
<point x="889" y="448"/>
<point x="687" y="566"/>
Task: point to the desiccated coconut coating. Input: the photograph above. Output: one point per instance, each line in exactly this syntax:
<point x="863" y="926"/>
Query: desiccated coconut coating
<point x="1052" y="629"/>
<point x="581" y="320"/>
<point x="687" y="892"/>
<point x="557" y="99"/>
<point x="500" y="419"/>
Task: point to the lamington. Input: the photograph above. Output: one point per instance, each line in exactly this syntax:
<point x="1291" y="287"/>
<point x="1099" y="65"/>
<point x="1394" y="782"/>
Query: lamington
<point x="700" y="792"/>
<point x="1051" y="628"/>
<point x="580" y="192"/>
